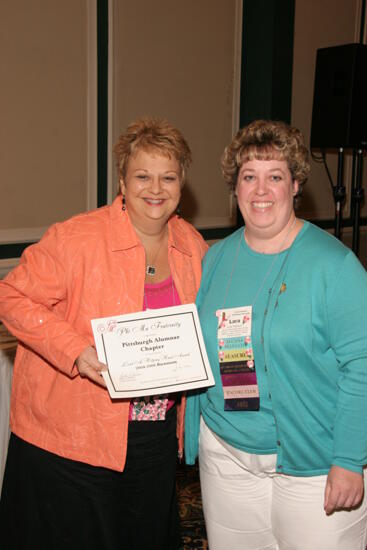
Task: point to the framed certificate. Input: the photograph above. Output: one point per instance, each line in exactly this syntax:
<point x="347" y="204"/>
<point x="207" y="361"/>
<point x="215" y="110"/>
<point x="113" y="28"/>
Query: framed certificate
<point x="152" y="352"/>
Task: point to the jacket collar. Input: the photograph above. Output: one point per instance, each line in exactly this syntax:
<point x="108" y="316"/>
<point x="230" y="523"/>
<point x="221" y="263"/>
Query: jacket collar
<point x="123" y="235"/>
<point x="177" y="235"/>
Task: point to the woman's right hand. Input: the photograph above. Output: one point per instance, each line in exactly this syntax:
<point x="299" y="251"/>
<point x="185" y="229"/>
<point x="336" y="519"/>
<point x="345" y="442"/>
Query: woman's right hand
<point x="89" y="367"/>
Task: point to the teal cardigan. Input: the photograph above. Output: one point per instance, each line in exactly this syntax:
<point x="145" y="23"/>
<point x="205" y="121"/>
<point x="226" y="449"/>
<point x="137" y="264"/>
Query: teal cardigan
<point x="315" y="351"/>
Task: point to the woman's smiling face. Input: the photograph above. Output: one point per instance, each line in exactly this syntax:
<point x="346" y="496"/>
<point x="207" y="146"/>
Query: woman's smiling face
<point x="265" y="192"/>
<point x="152" y="187"/>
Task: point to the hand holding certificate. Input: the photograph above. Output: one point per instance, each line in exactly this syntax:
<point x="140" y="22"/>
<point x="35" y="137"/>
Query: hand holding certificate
<point x="153" y="352"/>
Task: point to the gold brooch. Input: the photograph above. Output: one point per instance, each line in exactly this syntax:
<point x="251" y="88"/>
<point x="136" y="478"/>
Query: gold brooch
<point x="283" y="288"/>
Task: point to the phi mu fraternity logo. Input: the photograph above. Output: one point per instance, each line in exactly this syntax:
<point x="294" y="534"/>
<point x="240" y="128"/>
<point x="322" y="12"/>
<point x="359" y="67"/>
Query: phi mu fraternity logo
<point x="101" y="328"/>
<point x="109" y="326"/>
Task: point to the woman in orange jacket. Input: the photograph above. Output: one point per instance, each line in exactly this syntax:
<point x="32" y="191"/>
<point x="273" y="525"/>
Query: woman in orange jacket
<point x="84" y="471"/>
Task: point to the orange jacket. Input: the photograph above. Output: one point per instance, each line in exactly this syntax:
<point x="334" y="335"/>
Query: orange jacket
<point x="92" y="265"/>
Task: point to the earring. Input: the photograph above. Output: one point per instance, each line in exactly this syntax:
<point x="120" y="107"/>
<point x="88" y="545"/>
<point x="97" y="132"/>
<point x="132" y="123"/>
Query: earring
<point x="123" y="203"/>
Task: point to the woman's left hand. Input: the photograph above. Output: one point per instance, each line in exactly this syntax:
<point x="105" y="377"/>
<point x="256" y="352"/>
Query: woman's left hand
<point x="89" y="367"/>
<point x="344" y="489"/>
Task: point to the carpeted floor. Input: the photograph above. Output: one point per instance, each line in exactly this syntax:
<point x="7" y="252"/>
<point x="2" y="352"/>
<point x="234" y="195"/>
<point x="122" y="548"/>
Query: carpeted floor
<point x="191" y="514"/>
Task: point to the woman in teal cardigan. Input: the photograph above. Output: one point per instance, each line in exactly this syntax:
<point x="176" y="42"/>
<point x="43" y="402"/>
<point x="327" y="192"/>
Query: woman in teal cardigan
<point x="281" y="437"/>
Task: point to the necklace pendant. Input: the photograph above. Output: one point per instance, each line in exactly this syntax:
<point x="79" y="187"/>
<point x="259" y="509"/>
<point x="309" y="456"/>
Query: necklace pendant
<point x="150" y="270"/>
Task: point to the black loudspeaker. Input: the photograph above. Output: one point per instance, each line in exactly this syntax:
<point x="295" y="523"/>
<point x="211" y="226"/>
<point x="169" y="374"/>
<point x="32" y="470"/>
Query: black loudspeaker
<point x="339" y="114"/>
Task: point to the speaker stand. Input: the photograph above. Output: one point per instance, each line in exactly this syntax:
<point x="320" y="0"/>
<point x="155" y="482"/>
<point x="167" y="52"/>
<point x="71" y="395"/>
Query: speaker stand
<point x="357" y="198"/>
<point x="339" y="195"/>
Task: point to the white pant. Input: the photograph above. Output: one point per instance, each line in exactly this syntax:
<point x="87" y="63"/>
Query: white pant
<point x="249" y="506"/>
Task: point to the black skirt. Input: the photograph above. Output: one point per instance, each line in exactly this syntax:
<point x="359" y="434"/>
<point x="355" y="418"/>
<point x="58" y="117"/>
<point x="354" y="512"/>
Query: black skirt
<point x="52" y="503"/>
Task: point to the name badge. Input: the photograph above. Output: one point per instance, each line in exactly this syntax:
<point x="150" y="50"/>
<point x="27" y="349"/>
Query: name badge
<point x="236" y="359"/>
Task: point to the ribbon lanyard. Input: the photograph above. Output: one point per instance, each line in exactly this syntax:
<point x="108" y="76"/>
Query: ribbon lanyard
<point x="236" y="359"/>
<point x="235" y="350"/>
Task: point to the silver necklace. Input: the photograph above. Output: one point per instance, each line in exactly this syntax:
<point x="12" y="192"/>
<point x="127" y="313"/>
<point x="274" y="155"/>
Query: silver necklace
<point x="267" y="274"/>
<point x="150" y="268"/>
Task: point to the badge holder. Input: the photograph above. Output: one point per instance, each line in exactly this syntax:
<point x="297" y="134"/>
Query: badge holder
<point x="236" y="359"/>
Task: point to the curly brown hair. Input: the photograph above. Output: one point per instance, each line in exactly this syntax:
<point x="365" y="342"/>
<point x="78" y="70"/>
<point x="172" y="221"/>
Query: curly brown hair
<point x="267" y="140"/>
<point x="152" y="134"/>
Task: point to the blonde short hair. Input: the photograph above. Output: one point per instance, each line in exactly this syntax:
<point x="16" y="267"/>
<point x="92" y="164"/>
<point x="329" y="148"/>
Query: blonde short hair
<point x="267" y="140"/>
<point x="152" y="134"/>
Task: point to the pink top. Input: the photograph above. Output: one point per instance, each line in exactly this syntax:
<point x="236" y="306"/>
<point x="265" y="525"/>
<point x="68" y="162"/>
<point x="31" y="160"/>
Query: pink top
<point x="156" y="295"/>
<point x="163" y="294"/>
